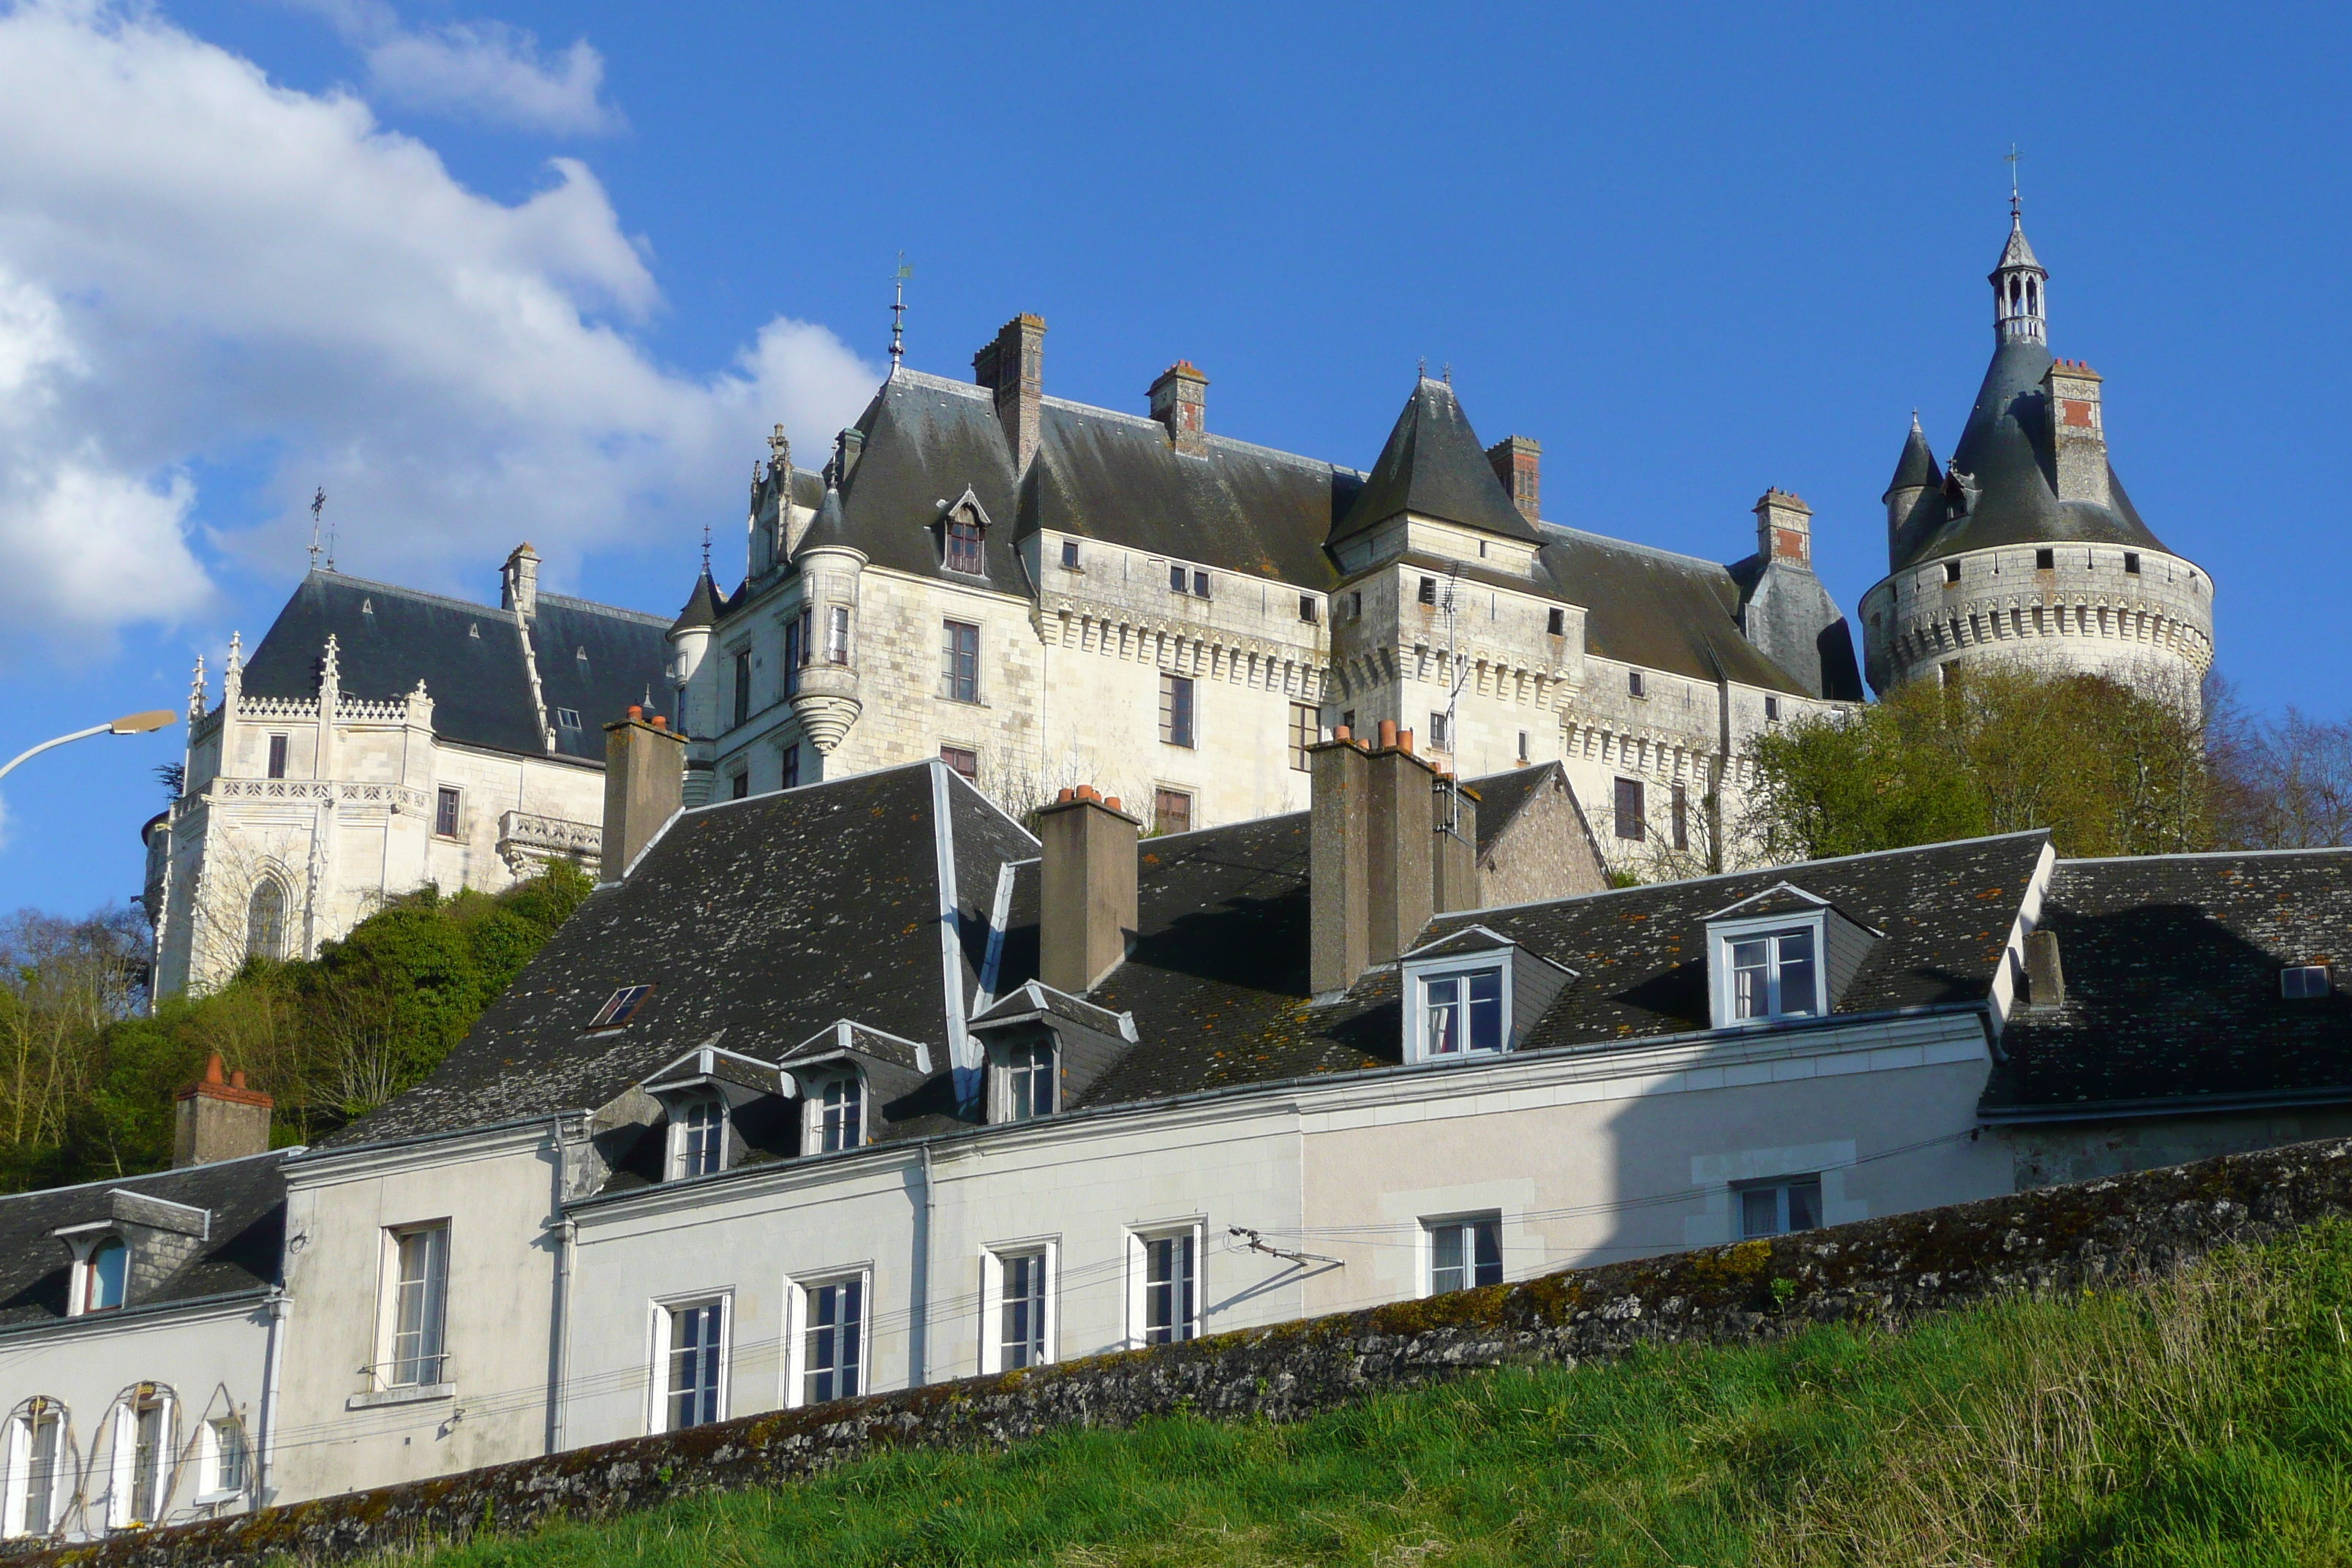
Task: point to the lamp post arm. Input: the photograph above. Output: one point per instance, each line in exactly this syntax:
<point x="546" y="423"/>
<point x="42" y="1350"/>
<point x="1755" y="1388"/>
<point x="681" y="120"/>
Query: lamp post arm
<point x="61" y="740"/>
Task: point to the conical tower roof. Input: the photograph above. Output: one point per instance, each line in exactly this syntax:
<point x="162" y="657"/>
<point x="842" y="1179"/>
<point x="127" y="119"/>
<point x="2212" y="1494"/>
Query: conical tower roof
<point x="701" y="611"/>
<point x="2017" y="253"/>
<point x="1915" y="469"/>
<point x="1433" y="466"/>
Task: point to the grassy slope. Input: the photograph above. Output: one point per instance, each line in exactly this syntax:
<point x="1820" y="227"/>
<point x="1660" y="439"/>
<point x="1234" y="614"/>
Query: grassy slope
<point x="2204" y="1420"/>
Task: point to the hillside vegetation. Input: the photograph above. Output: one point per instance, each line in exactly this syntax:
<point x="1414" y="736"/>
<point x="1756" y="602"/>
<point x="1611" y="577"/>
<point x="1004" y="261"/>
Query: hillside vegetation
<point x="2205" y="1419"/>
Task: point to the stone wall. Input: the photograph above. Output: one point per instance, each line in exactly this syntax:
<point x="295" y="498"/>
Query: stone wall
<point x="1884" y="1272"/>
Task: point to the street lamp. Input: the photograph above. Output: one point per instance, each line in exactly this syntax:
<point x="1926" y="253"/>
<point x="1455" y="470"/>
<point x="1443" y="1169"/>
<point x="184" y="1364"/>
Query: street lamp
<point x="129" y="724"/>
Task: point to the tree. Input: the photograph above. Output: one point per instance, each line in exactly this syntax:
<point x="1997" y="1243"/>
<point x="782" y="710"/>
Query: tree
<point x="2109" y="768"/>
<point x="2283" y="783"/>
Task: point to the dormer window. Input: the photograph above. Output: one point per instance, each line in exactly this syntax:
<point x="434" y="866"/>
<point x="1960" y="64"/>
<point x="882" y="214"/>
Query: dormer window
<point x="1028" y="1081"/>
<point x="698" y="1132"/>
<point x="620" y="1007"/>
<point x="104" y="1275"/>
<point x="2303" y="982"/>
<point x="838" y="1113"/>
<point x="1781" y="953"/>
<point x="1462" y="1011"/>
<point x="1473" y="993"/>
<point x="963" y="543"/>
<point x="1774" y="976"/>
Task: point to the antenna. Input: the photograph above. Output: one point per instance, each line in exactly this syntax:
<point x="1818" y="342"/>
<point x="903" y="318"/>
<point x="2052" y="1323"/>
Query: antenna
<point x="318" y="505"/>
<point x="2012" y="161"/>
<point x="1454" y="678"/>
<point x="898" y="312"/>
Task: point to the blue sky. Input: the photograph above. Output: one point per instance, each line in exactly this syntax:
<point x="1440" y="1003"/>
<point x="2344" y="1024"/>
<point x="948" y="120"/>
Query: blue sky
<point x="549" y="272"/>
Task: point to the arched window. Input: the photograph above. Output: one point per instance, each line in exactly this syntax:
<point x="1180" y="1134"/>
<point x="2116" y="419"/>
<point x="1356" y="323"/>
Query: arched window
<point x="265" y="920"/>
<point x="104" y="1276"/>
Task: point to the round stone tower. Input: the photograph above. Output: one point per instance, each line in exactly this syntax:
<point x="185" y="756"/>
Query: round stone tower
<point x="2026" y="549"/>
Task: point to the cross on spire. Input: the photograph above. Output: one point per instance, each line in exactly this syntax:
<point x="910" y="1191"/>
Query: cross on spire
<point x="898" y="312"/>
<point x="2015" y="210"/>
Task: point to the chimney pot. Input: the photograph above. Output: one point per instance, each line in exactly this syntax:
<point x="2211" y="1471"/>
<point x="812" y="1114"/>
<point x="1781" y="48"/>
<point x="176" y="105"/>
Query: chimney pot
<point x="1388" y="733"/>
<point x="236" y="1079"/>
<point x="636" y="711"/>
<point x="659" y="722"/>
<point x="1339" y="731"/>
<point x="1404" y="739"/>
<point x="215" y="1120"/>
<point x="1113" y="803"/>
<point x="213" y="1068"/>
<point x="1066" y="795"/>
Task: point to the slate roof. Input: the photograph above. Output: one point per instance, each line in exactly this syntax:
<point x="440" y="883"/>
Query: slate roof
<point x="470" y="658"/>
<point x="247" y="1201"/>
<point x="2173" y="1001"/>
<point x="1433" y="465"/>
<point x="1657" y="609"/>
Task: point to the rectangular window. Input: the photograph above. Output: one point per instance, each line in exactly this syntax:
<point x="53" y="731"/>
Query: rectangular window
<point x="1176" y="709"/>
<point x="795" y="653"/>
<point x="1774" y="976"/>
<point x="836" y="635"/>
<point x="1462" y="1012"/>
<point x="2131" y="562"/>
<point x="1069" y="554"/>
<point x="1307" y="608"/>
<point x="277" y="756"/>
<point x="419" y="1303"/>
<point x="963" y="545"/>
<point x="1428" y="592"/>
<point x="1179" y="579"/>
<point x="793" y="766"/>
<point x="1777" y="1207"/>
<point x="1201" y="585"/>
<point x="147" y="1461"/>
<point x="568" y="718"/>
<point x="1304" y="732"/>
<point x="1682" y="817"/>
<point x="701" y="1134"/>
<point x="696" y="1363"/>
<point x="1029" y="1082"/>
<point x="831" y="1344"/>
<point x="230" y="1466"/>
<point x="841" y="1115"/>
<point x="2303" y="982"/>
<point x="620" y="1007"/>
<point x="1355" y="606"/>
<point x="1951" y="570"/>
<point x="963" y="759"/>
<point x="739" y="783"/>
<point x="1348" y="721"/>
<point x="1635" y="686"/>
<point x="1632" y="813"/>
<point x="1440" y="738"/>
<point x="1465" y="1254"/>
<point x="445" y="812"/>
<point x="743" y="687"/>
<point x="960" y="662"/>
<point x="2045" y="561"/>
<point x="1771" y="710"/>
<point x="1172" y="811"/>
<point x="1522" y="745"/>
<point x="1020" y="1317"/>
<point x="1556" y="622"/>
<point x="40" y="1432"/>
<point x="1171" y="1303"/>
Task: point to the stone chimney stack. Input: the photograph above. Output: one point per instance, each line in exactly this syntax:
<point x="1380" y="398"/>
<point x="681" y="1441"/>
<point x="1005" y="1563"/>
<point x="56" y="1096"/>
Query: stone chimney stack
<point x="1013" y="367"/>
<point x="1179" y="400"/>
<point x="1402" y="825"/>
<point x="519" y="581"/>
<point x="1454" y="865"/>
<point x="2078" y="434"/>
<point x="1086" y="888"/>
<point x="1338" y="843"/>
<point x="645" y="785"/>
<point x="1519" y="463"/>
<point x="1784" y="529"/>
<point x="218" y="1120"/>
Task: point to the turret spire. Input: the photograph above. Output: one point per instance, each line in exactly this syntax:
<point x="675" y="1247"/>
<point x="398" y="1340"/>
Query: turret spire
<point x="2019" y="286"/>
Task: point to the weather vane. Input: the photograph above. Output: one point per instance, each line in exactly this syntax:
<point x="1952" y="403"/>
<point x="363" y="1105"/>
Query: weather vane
<point x="705" y="550"/>
<point x="2012" y="161"/>
<point x="898" y="312"/>
<point x="318" y="505"/>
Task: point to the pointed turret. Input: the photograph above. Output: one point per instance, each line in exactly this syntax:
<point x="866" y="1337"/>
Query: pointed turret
<point x="701" y="611"/>
<point x="1434" y="466"/>
<point x="2019" y="289"/>
<point x="1911" y="498"/>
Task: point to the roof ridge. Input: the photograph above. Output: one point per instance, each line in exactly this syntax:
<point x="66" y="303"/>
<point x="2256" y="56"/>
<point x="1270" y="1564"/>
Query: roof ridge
<point x="802" y="789"/>
<point x="1635" y="545"/>
<point x="151" y="1175"/>
<point x="598" y="606"/>
<point x="2067" y="860"/>
<point x="1141" y="422"/>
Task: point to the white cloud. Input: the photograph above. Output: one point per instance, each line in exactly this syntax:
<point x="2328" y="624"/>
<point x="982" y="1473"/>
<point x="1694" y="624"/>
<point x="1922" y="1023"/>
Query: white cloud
<point x="196" y="265"/>
<point x="487" y="71"/>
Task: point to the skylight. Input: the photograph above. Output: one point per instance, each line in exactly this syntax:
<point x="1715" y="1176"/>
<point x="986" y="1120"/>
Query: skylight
<point x="623" y="1007"/>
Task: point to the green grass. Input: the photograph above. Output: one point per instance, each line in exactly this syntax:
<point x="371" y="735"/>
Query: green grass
<point x="2206" y="1419"/>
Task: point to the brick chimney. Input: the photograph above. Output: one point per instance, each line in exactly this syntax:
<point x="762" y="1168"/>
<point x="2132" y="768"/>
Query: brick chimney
<point x="2078" y="432"/>
<point x="519" y="581"/>
<point x="1519" y="463"/>
<point x="644" y="785"/>
<point x="1784" y="529"/>
<point x="216" y="1119"/>
<point x="1013" y="367"/>
<point x="1400" y="823"/>
<point x="1086" y="888"/>
<point x="1179" y="400"/>
<point x="1338" y="842"/>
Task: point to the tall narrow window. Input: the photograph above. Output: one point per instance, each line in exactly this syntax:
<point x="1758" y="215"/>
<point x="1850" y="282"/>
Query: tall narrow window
<point x="1021" y="1325"/>
<point x="1556" y="623"/>
<point x="830" y="1346"/>
<point x="842" y="1115"/>
<point x="1303" y="732"/>
<point x="1307" y="608"/>
<point x="694" y="1337"/>
<point x="1771" y="710"/>
<point x="791" y="755"/>
<point x="1634" y="685"/>
<point x="1201" y="585"/>
<point x="445" y="812"/>
<point x="1523" y="746"/>
<point x="960" y="662"/>
<point x="1633" y="813"/>
<point x="41" y="1433"/>
<point x="1029" y="1081"/>
<point x="1428" y="592"/>
<point x="147" y="1461"/>
<point x="963" y="543"/>
<point x="1777" y="1207"/>
<point x="743" y="687"/>
<point x="1170" y="1310"/>
<point x="1951" y="570"/>
<point x="1176" y="709"/>
<point x="739" y="783"/>
<point x="701" y="1136"/>
<point x="1069" y="554"/>
<point x="1465" y="1254"/>
<point x="265" y="920"/>
<point x="1172" y="811"/>
<point x="1774" y="976"/>
<point x="420" y="1293"/>
<point x="277" y="756"/>
<point x="231" y="1463"/>
<point x="1441" y="735"/>
<point x="105" y="1276"/>
<point x="795" y="652"/>
<point x="836" y="635"/>
<point x="1682" y="817"/>
<point x="1463" y="1011"/>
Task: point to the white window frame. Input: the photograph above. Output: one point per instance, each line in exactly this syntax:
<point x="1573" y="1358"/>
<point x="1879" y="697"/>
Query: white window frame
<point x="1722" y="935"/>
<point x="682" y="1103"/>
<point x="1001" y="1080"/>
<point x="1779" y="1186"/>
<point x="27" y="1418"/>
<point x="813" y="1127"/>
<point x="124" y="1507"/>
<point x="664" y="1315"/>
<point x="1432" y="1224"/>
<point x="796" y="1312"/>
<point x="388" y="1310"/>
<point x="992" y="1298"/>
<point x="1417" y="976"/>
<point x="1138" y="1238"/>
<point x="81" y="1275"/>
